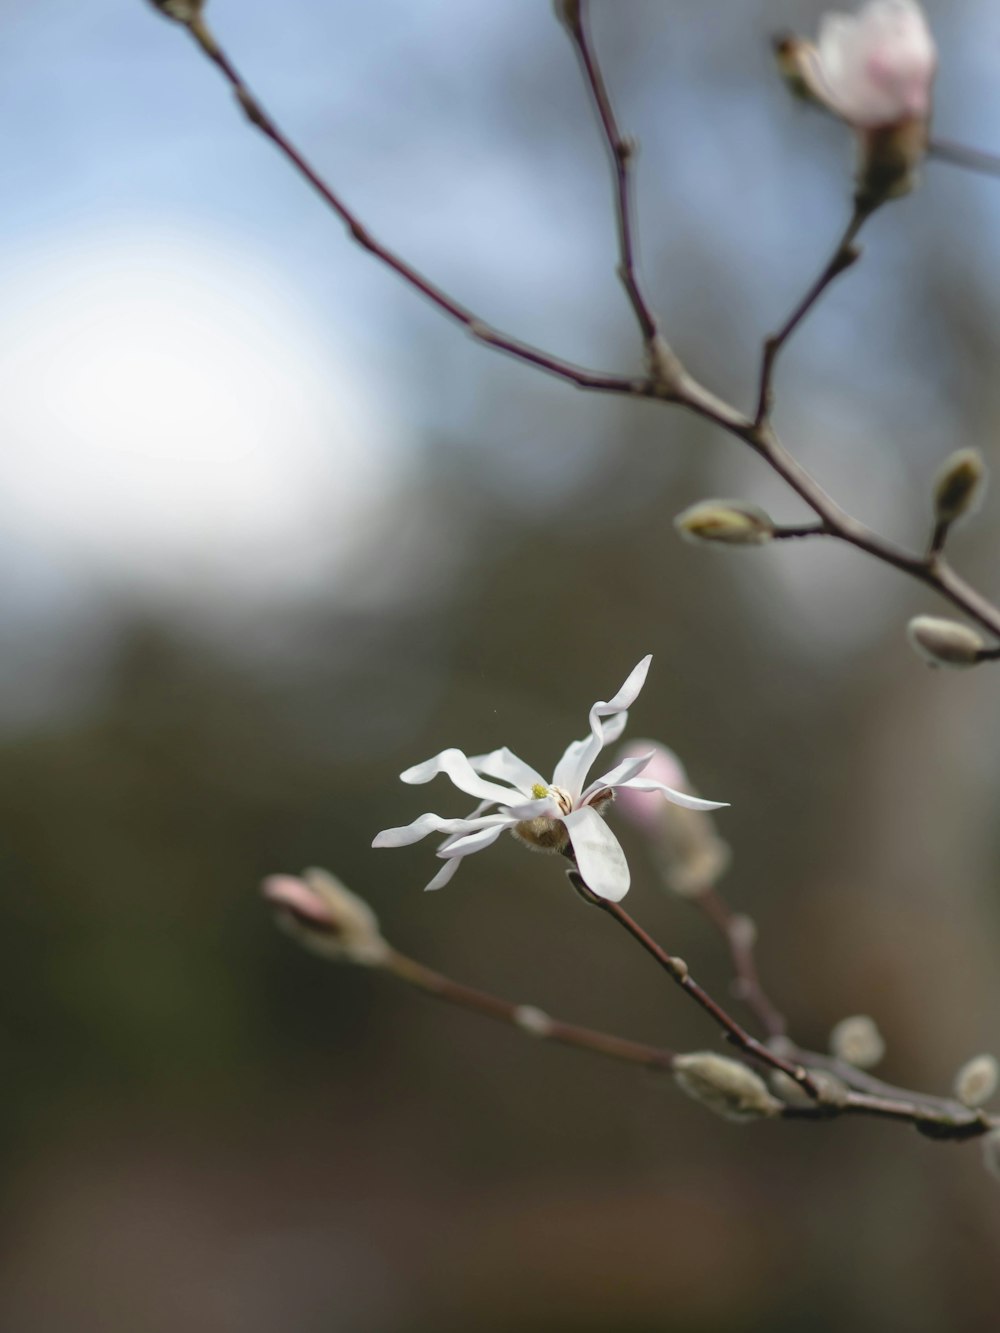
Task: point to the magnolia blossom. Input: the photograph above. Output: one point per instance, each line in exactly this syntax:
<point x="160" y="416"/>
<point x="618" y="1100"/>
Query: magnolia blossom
<point x="874" y="69"/>
<point x="566" y="812"/>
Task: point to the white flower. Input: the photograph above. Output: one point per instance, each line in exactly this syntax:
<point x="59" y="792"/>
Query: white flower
<point x="550" y="815"/>
<point x="875" y="68"/>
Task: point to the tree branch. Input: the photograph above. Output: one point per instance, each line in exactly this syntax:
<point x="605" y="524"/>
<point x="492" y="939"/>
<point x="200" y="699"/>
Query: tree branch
<point x="958" y="155"/>
<point x="526" y="1018"/>
<point x="668" y="380"/>
<point x="622" y="152"/>
<point x="678" y="971"/>
<point x="842" y="258"/>
<point x="484" y="333"/>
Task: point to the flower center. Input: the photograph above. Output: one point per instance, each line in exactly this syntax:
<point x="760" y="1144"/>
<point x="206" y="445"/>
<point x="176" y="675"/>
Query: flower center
<point x="561" y="797"/>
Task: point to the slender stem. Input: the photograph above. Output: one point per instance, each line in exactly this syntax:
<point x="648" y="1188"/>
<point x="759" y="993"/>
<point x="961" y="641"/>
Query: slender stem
<point x="667" y="380"/>
<point x="738" y="931"/>
<point x="804" y="530"/>
<point x="679" y="973"/>
<point x="622" y="151"/>
<point x="526" y="1018"/>
<point x="938" y="537"/>
<point x="844" y="255"/>
<point x="973" y="159"/>
<point x="479" y="329"/>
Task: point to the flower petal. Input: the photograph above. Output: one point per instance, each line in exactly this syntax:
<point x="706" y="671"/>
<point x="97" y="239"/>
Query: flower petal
<point x="626" y="769"/>
<point x="429" y="823"/>
<point x="443" y="875"/>
<point x="547" y="806"/>
<point x="473" y="842"/>
<point x="455" y="765"/>
<point x="675" y="797"/>
<point x="598" y="854"/>
<point x="506" y="766"/>
<point x="572" y="769"/>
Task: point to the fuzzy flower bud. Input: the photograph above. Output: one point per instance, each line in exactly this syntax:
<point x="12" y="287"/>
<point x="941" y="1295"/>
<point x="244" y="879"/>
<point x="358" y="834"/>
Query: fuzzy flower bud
<point x="977" y="1080"/>
<point x="733" y="522"/>
<point x="944" y="642"/>
<point x="959" y="486"/>
<point x="326" y="917"/>
<point x="832" y="1090"/>
<point x="725" y="1086"/>
<point x="858" y="1041"/>
<point x="181" y="11"/>
<point x="691" y="855"/>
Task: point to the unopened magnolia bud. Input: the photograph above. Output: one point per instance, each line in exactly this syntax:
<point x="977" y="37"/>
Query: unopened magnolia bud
<point x="858" y="1041"/>
<point x="691" y="855"/>
<point x="725" y="1086"/>
<point x="977" y="1080"/>
<point x="181" y="11"/>
<point x="326" y="917"/>
<point x="945" y="642"/>
<point x="729" y="521"/>
<point x="832" y="1090"/>
<point x="959" y="486"/>
<point x="991" y="1153"/>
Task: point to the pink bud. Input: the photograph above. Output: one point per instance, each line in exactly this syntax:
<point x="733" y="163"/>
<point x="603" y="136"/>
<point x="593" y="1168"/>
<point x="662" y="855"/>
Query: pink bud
<point x="690" y="854"/>
<point x="876" y="69"/>
<point x="646" y="810"/>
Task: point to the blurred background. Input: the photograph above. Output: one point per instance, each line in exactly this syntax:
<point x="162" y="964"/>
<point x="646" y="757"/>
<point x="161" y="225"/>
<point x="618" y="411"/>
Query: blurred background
<point x="271" y="531"/>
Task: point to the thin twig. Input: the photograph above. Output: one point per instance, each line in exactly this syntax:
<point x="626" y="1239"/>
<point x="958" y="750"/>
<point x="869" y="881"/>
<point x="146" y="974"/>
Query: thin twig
<point x="679" y="973"/>
<point x="738" y="932"/>
<point x="788" y="532"/>
<point x="526" y="1018"/>
<point x="622" y="152"/>
<point x="972" y="159"/>
<point x="844" y="255"/>
<point x="678" y="386"/>
<point x="479" y="329"/>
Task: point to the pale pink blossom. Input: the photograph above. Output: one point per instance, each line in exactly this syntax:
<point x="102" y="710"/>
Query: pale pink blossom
<point x="874" y="69"/>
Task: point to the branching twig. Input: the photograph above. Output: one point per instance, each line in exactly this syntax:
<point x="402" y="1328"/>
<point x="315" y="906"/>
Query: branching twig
<point x="479" y="329"/>
<point x="972" y="159"/>
<point x="845" y="254"/>
<point x="679" y="386"/>
<point x="622" y="151"/>
<point x="738" y="933"/>
<point x="525" y="1017"/>
<point x="935" y="1117"/>
<point x="679" y="973"/>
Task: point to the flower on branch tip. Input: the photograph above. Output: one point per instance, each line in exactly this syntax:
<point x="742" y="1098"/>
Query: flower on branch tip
<point x="875" y="71"/>
<point x="326" y="917"/>
<point x="566" y="813"/>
